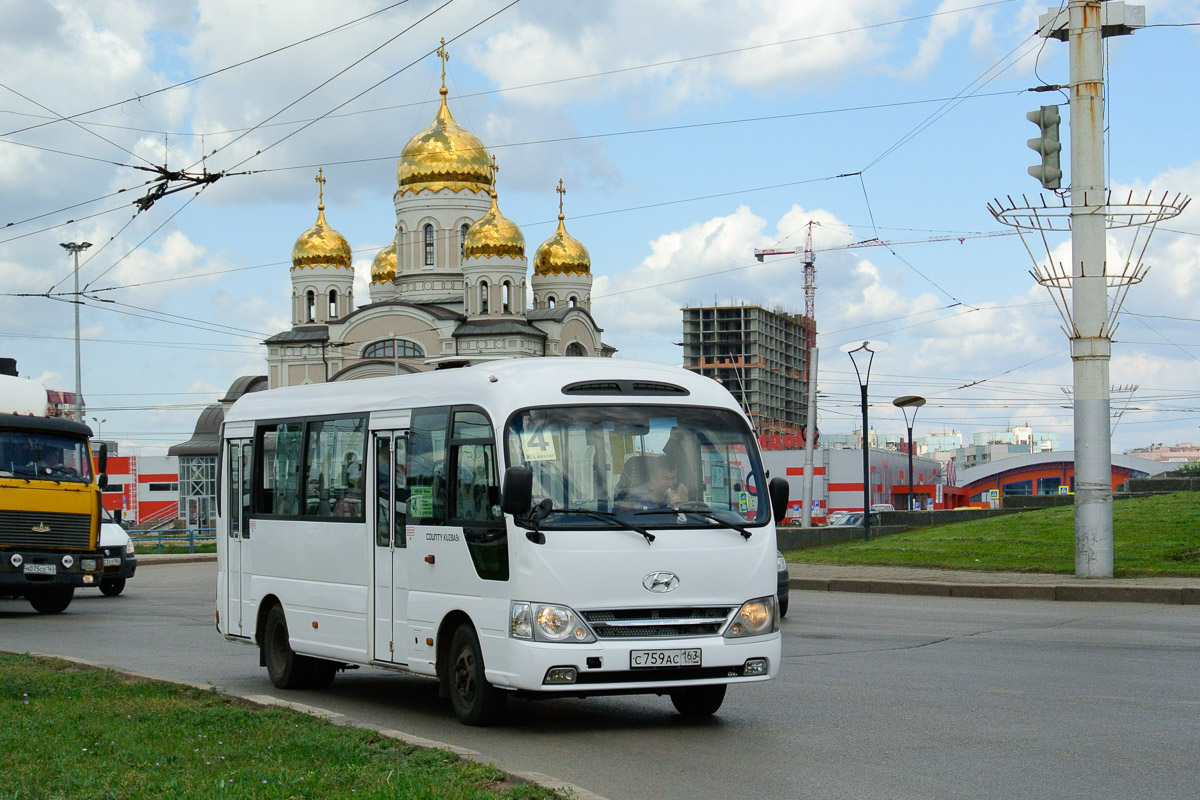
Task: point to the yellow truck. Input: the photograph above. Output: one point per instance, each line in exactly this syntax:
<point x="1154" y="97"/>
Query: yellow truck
<point x="49" y="501"/>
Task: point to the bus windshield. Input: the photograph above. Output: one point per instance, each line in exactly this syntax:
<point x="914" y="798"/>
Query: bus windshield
<point x="44" y="456"/>
<point x="650" y="466"/>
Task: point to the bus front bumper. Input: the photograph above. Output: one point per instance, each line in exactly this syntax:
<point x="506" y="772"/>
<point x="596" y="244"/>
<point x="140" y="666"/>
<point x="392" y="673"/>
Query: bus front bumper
<point x="609" y="667"/>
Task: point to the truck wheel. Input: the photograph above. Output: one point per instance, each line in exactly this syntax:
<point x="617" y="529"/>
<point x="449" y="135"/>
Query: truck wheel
<point x="111" y="587"/>
<point x="698" y="701"/>
<point x="286" y="669"/>
<point x="51" y="601"/>
<point x="475" y="701"/>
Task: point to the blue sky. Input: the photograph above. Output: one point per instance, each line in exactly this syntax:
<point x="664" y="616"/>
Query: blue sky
<point x="687" y="132"/>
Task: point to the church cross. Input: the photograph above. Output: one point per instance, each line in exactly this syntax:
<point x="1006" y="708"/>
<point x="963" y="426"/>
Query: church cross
<point x="444" y="55"/>
<point x="561" y="191"/>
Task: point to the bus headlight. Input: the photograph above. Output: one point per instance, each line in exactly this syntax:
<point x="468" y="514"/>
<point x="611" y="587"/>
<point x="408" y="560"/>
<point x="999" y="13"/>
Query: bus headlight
<point x="754" y="618"/>
<point x="547" y="622"/>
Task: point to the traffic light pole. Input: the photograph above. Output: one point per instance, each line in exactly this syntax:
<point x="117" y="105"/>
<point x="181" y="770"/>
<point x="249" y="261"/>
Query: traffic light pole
<point x="1081" y="290"/>
<point x="1091" y="345"/>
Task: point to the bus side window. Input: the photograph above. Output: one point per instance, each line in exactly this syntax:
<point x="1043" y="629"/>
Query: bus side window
<point x="278" y="485"/>
<point x="427" y="466"/>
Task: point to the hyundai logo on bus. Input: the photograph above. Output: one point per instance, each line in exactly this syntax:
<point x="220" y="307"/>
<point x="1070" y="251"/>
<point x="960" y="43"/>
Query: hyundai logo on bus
<point x="661" y="581"/>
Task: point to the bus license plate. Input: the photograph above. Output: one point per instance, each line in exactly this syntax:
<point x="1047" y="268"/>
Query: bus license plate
<point x="689" y="657"/>
<point x="40" y="569"/>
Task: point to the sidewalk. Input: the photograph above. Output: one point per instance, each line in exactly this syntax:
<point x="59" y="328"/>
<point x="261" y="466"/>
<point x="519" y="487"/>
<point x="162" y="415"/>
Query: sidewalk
<point x="996" y="585"/>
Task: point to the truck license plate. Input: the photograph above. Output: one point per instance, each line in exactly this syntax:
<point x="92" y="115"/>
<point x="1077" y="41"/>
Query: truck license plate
<point x="40" y="569"/>
<point x="689" y="657"/>
<point x="112" y="561"/>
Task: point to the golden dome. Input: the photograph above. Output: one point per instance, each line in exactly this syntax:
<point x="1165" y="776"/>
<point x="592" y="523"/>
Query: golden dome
<point x="562" y="254"/>
<point x="383" y="268"/>
<point x="444" y="156"/>
<point x="321" y="245"/>
<point x="494" y="234"/>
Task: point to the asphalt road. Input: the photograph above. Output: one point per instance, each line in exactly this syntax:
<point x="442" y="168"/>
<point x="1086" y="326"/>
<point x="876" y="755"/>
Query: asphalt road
<point x="879" y="697"/>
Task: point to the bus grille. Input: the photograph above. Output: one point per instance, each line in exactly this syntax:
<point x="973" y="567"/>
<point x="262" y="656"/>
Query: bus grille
<point x="649" y="623"/>
<point x="66" y="530"/>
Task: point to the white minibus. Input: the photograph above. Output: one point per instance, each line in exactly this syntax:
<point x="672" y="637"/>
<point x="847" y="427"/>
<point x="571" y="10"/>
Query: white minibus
<point x="532" y="527"/>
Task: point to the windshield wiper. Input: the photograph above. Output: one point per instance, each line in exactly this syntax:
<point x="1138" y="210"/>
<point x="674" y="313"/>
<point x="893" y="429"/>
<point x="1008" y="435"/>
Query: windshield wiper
<point x="606" y="516"/>
<point x="700" y="512"/>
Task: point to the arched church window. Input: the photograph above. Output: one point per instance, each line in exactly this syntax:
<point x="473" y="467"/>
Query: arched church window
<point x="550" y="301"/>
<point x="333" y="309"/>
<point x="392" y="348"/>
<point x="429" y="245"/>
<point x="576" y="350"/>
<point x="506" y="297"/>
<point x="483" y="297"/>
<point x="462" y="242"/>
<point x="310" y="306"/>
<point x="572" y="301"/>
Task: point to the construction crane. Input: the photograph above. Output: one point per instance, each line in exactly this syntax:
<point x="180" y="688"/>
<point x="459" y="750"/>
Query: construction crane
<point x="810" y="269"/>
<point x="877" y="242"/>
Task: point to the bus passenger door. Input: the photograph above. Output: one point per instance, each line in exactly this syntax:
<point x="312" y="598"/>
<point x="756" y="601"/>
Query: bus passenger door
<point x="391" y="564"/>
<point x="238" y="506"/>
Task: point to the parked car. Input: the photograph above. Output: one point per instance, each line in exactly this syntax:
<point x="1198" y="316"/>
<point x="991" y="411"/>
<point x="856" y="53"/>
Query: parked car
<point x="878" y="507"/>
<point x="836" y="517"/>
<point x="120" y="557"/>
<point x="784" y="584"/>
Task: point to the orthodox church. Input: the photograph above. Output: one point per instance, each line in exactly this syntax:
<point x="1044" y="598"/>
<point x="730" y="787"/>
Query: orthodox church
<point x="452" y="289"/>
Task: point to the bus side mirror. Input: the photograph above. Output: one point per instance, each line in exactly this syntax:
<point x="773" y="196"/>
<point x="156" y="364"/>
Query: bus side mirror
<point x="516" y="493"/>
<point x="778" y="488"/>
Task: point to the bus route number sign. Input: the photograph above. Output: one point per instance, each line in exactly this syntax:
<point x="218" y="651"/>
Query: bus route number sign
<point x="538" y="446"/>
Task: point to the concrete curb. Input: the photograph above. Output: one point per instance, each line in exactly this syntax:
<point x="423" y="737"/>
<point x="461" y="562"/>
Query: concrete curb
<point x="1091" y="592"/>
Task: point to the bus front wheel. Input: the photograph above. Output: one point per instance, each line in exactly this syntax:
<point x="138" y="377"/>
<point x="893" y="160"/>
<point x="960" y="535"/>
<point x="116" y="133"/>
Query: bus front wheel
<point x="475" y="701"/>
<point x="52" y="601"/>
<point x="698" y="701"/>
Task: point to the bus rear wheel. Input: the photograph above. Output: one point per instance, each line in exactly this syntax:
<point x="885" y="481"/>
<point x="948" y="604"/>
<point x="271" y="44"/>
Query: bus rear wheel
<point x="698" y="701"/>
<point x="475" y="701"/>
<point x="51" y="601"/>
<point x="286" y="669"/>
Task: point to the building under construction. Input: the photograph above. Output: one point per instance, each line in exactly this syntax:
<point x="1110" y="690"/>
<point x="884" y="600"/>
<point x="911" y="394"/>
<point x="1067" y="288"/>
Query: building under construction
<point x="761" y="357"/>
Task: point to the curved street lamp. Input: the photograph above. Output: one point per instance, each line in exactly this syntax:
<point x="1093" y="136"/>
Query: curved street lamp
<point x="904" y="404"/>
<point x="862" y="356"/>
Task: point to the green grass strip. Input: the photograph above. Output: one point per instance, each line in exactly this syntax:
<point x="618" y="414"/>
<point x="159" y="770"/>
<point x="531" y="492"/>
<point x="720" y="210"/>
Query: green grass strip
<point x="73" y="733"/>
<point x="1152" y="536"/>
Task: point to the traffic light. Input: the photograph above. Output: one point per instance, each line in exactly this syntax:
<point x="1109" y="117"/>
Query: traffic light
<point x="1047" y="145"/>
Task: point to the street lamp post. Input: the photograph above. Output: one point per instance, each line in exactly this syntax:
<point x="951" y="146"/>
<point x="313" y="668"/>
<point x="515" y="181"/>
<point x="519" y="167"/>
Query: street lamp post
<point x="75" y="248"/>
<point x="864" y="353"/>
<point x="904" y="404"/>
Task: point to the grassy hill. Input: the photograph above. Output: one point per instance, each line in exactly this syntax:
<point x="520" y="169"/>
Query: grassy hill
<point x="1157" y="536"/>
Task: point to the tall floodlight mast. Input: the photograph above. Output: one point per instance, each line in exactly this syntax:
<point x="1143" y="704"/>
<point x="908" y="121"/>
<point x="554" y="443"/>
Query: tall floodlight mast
<point x="1081" y="290"/>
